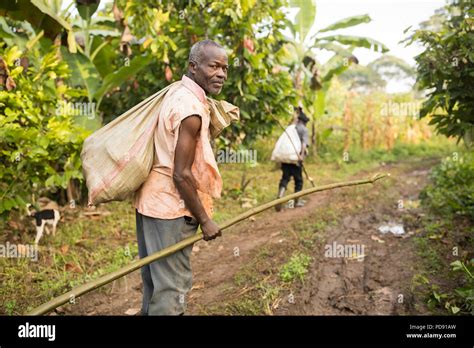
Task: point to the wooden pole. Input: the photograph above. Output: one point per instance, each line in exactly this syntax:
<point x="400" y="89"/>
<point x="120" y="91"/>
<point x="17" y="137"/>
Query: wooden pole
<point x="105" y="279"/>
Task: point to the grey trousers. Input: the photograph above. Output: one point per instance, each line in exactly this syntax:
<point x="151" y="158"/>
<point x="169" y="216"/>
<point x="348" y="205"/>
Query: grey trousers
<point x="166" y="281"/>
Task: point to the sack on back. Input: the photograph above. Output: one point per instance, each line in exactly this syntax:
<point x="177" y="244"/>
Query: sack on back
<point x="118" y="157"/>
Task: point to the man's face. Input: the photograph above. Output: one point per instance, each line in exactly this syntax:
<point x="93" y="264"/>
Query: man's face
<point x="211" y="72"/>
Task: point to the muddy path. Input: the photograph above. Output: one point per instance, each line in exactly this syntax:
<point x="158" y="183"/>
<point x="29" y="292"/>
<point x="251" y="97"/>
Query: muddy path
<point x="376" y="281"/>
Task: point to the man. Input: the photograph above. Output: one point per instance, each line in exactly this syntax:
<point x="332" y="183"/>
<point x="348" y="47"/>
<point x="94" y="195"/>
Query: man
<point x="177" y="196"/>
<point x="295" y="170"/>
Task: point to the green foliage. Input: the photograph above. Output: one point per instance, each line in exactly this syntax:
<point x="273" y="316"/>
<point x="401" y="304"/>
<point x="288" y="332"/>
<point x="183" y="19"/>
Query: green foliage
<point x="357" y="41"/>
<point x="59" y="89"/>
<point x="452" y="187"/>
<point x="347" y="22"/>
<point x="305" y="17"/>
<point x="459" y="302"/>
<point x="100" y="66"/>
<point x="251" y="32"/>
<point x="446" y="70"/>
<point x="10" y="307"/>
<point x="466" y="293"/>
<point x="429" y="253"/>
<point x="312" y="79"/>
<point x="40" y="15"/>
<point x="41" y="137"/>
<point x="39" y="143"/>
<point x="296" y="268"/>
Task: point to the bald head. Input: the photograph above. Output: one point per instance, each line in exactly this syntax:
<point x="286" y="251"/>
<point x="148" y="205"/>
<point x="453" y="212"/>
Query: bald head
<point x="207" y="65"/>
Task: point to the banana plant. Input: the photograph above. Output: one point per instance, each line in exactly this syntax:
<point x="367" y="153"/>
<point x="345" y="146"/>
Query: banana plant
<point x="88" y="53"/>
<point x="86" y="75"/>
<point x="311" y="79"/>
<point x="91" y="68"/>
<point x="42" y="15"/>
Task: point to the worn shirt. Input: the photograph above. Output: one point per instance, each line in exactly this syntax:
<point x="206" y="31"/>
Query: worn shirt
<point x="302" y="133"/>
<point x="158" y="196"/>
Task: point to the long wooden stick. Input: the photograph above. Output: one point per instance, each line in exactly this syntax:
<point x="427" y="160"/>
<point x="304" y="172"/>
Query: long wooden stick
<point x="94" y="284"/>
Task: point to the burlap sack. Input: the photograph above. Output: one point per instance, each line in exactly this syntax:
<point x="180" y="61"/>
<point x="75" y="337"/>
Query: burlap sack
<point x="222" y="115"/>
<point x="118" y="157"/>
<point x="288" y="146"/>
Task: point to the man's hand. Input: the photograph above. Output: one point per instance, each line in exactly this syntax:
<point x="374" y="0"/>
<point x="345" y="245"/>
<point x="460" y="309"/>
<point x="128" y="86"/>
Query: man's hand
<point x="210" y="230"/>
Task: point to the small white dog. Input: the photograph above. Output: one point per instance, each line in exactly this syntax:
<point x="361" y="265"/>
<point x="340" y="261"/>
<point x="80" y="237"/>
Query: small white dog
<point x="43" y="217"/>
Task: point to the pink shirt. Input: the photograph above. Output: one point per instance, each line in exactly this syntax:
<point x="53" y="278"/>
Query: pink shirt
<point x="158" y="196"/>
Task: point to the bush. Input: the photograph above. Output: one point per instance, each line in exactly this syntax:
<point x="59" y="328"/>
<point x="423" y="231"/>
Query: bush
<point x="452" y="187"/>
<point x="39" y="142"/>
<point x="446" y="67"/>
<point x="465" y="295"/>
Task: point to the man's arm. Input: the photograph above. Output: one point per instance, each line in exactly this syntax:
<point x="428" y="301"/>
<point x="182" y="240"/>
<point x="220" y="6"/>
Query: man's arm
<point x="184" y="179"/>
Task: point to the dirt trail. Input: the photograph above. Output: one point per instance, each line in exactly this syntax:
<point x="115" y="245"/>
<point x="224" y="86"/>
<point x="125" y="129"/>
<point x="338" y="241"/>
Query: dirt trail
<point x="379" y="282"/>
<point x="333" y="286"/>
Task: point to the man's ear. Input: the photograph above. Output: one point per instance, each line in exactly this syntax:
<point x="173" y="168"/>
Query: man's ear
<point x="192" y="67"/>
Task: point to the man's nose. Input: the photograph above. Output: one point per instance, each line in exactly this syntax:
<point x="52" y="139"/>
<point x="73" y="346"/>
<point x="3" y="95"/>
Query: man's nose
<point x="222" y="74"/>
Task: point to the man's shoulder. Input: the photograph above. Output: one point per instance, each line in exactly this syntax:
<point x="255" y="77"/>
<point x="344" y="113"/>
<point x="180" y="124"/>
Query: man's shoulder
<point x="181" y="101"/>
<point x="182" y="94"/>
<point x="301" y="127"/>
